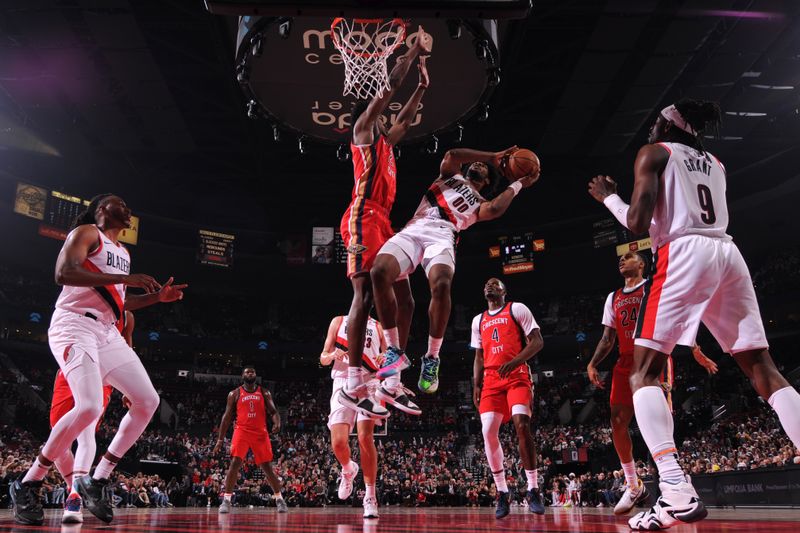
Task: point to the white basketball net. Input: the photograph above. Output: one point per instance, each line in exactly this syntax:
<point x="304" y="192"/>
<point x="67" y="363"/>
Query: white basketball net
<point x="365" y="44"/>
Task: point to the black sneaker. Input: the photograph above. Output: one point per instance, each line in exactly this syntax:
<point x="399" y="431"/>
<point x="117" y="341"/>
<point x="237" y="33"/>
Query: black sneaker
<point x="365" y="405"/>
<point x="399" y="399"/>
<point x="27" y="502"/>
<point x="96" y="497"/>
<point x="503" y="507"/>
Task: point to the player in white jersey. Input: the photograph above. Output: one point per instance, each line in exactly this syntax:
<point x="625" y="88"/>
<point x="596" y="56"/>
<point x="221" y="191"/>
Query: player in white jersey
<point x="699" y="275"/>
<point x="452" y="203"/>
<point x="342" y="418"/>
<point x="94" y="269"/>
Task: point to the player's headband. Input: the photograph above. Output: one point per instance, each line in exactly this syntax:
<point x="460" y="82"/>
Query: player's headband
<point x="672" y="114"/>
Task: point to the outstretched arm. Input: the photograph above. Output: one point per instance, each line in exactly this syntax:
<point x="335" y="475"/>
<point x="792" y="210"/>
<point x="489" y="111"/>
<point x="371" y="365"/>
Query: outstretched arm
<point x="167" y="293"/>
<point x="363" y="129"/>
<point x="409" y="111"/>
<point x="225" y="423"/>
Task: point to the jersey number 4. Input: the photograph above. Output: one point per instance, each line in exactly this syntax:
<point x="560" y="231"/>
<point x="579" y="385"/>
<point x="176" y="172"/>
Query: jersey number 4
<point x="495" y="335"/>
<point x="706" y="204"/>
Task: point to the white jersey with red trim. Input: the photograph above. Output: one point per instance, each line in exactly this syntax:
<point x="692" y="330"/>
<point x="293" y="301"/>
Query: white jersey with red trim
<point x="691" y="197"/>
<point x="372" y="349"/>
<point x="105" y="302"/>
<point x="452" y="200"/>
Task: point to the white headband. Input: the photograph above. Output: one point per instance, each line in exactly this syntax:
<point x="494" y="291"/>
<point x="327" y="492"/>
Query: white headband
<point x="672" y="114"/>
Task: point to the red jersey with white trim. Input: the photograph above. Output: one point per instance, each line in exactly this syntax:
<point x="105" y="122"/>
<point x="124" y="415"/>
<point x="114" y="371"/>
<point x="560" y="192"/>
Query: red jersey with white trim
<point x="375" y="174"/>
<point x="105" y="302"/>
<point x="372" y="348"/>
<point x="502" y="335"/>
<point x="691" y="197"/>
<point x="452" y="200"/>
<point x="621" y="312"/>
<point x="251" y="411"/>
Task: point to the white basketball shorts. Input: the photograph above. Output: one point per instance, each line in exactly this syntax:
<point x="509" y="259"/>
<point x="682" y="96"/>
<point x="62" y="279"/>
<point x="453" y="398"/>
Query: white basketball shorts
<point x="71" y="333"/>
<point x="339" y="413"/>
<point x="698" y="278"/>
<point x="427" y="242"/>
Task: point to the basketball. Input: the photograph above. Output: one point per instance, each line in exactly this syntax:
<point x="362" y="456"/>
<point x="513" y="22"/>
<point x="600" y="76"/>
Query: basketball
<point x="521" y="163"/>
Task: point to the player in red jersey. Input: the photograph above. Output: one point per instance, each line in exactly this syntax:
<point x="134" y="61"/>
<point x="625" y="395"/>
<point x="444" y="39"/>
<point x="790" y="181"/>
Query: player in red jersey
<point x="252" y="404"/>
<point x="505" y="337"/>
<point x="619" y="319"/>
<point x="699" y="276"/>
<point x="68" y="465"/>
<point x="452" y="203"/>
<point x="365" y="225"/>
<point x="93" y="269"/>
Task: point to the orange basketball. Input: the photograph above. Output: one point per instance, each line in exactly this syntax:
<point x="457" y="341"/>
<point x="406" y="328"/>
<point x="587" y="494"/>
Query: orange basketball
<point x="521" y="163"/>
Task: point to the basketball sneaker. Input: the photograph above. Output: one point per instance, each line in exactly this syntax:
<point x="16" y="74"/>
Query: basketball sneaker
<point x="399" y="398"/>
<point x="370" y="507"/>
<point x="535" y="504"/>
<point x="73" y="509"/>
<point x="346" y="483"/>
<point x="394" y="360"/>
<point x="280" y="503"/>
<point x="361" y="401"/>
<point x="27" y="502"/>
<point x="631" y="498"/>
<point x="677" y="503"/>
<point x="503" y="507"/>
<point x="96" y="494"/>
<point x="429" y="375"/>
<point x="225" y="506"/>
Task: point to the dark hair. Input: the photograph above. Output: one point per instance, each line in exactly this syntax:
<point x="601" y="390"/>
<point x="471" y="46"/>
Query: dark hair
<point x="701" y="115"/>
<point x="356" y="109"/>
<point x="248" y="367"/>
<point x="87" y="215"/>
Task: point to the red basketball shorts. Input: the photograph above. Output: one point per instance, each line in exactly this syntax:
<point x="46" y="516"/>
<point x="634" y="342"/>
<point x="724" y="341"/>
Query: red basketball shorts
<point x="500" y="394"/>
<point x="59" y="409"/>
<point x="258" y="442"/>
<point x="621" y="393"/>
<point x="364" y="231"/>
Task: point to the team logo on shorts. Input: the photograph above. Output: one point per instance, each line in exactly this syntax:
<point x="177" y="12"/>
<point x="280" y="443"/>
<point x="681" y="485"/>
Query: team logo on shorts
<point x="356" y="249"/>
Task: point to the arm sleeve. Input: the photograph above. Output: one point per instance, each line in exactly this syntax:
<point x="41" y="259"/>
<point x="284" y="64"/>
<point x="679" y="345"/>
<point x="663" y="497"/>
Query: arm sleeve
<point x="475" y="340"/>
<point x="608" y="312"/>
<point x="524" y="317"/>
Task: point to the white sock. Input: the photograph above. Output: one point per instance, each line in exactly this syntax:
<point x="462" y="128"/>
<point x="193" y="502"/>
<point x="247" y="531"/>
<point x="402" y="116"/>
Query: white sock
<point x="392" y="337"/>
<point x="353" y="378"/>
<point x="392" y="383"/>
<point x="434" y="345"/>
<point x="630" y="474"/>
<point x="786" y="403"/>
<point x="103" y="469"/>
<point x="656" y="425"/>
<point x="533" y="479"/>
<point x="36" y="472"/>
<point x="277" y="496"/>
<point x="349" y="468"/>
<point x="370" y="492"/>
<point x="227" y="496"/>
<point x="500" y="481"/>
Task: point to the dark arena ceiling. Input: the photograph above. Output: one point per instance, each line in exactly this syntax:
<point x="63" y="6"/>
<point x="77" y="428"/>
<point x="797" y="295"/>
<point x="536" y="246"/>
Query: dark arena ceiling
<point x="141" y="98"/>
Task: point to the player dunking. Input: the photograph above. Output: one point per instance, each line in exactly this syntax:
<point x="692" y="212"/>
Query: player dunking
<point x="619" y="320"/>
<point x="699" y="275"/>
<point x="505" y="337"/>
<point x="342" y="419"/>
<point x="452" y="204"/>
<point x="94" y="269"/>
<point x="74" y="466"/>
<point x="252" y="404"/>
<point x="365" y="225"/>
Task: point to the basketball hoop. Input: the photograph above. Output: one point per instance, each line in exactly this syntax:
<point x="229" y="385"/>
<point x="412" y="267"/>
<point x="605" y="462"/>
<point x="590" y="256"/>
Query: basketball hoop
<point x="365" y="45"/>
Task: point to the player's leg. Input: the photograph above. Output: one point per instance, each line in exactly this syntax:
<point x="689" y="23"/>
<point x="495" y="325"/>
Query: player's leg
<point x="262" y="453"/>
<point x="520" y="399"/>
<point x="369" y="464"/>
<point x="490" y="428"/>
<point x="734" y="318"/>
<point x="384" y="273"/>
<point x="405" y="309"/>
<point x="622" y="412"/>
<point x="230" y="479"/>
<point x="83" y="459"/>
<point x="340" y="421"/>
<point x="440" y="271"/>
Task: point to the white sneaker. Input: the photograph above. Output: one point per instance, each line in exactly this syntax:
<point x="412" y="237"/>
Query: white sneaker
<point x="370" y="508"/>
<point x="73" y="510"/>
<point x="346" y="483"/>
<point x="631" y="497"/>
<point x="678" y="503"/>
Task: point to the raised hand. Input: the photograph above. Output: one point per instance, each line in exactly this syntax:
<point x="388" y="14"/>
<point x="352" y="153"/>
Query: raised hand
<point x="170" y="292"/>
<point x="602" y="186"/>
<point x="500" y="159"/>
<point x="424" y="41"/>
<point x="424" y="78"/>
